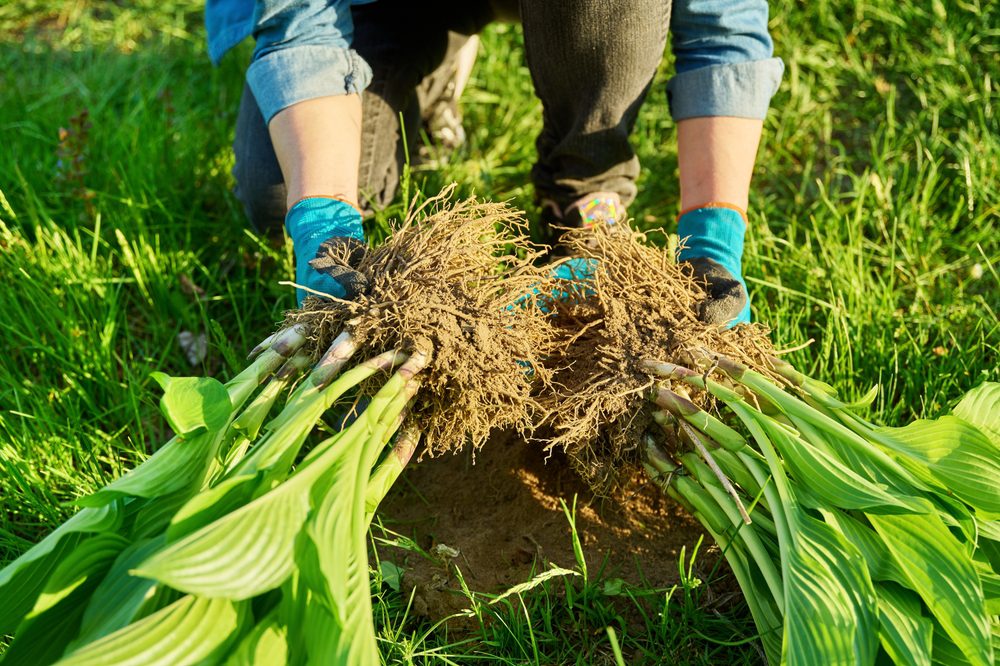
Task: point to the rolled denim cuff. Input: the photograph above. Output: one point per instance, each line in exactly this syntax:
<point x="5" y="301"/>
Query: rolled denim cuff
<point x="741" y="90"/>
<point x="288" y="76"/>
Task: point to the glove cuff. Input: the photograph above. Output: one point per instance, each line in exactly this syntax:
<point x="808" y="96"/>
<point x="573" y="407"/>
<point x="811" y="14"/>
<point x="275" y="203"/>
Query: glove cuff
<point x="312" y="220"/>
<point x="716" y="233"/>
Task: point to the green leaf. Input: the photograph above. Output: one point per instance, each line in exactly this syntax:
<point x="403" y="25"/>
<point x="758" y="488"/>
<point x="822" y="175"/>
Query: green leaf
<point x="903" y="630"/>
<point x="90" y="560"/>
<point x="990" y="580"/>
<point x="187" y="631"/>
<point x="939" y="569"/>
<point x="956" y="455"/>
<point x="981" y="408"/>
<point x="120" y="597"/>
<point x="193" y="404"/>
<point x="881" y="565"/>
<point x="22" y="580"/>
<point x="198" y="409"/>
<point x="834" y="483"/>
<point x="42" y="639"/>
<point x="265" y="645"/>
<point x="830" y="603"/>
<point x="213" y="503"/>
<point x="242" y="554"/>
<point x="392" y="574"/>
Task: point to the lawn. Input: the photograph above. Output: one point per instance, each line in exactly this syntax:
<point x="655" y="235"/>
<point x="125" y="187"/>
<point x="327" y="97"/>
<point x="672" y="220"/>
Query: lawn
<point x="873" y="233"/>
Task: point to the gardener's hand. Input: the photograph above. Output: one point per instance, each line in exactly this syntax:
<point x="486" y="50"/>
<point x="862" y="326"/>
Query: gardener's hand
<point x="317" y="225"/>
<point x="712" y="239"/>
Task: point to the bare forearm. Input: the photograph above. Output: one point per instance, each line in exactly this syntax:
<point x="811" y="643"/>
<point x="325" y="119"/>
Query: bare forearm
<point x="318" y="145"/>
<point x="716" y="157"/>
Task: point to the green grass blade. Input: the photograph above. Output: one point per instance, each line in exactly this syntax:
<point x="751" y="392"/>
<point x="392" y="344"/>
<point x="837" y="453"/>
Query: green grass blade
<point x="940" y="570"/>
<point x="188" y="631"/>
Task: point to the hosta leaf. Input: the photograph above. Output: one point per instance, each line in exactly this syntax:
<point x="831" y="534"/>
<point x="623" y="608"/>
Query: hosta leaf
<point x="198" y="409"/>
<point x="213" y="503"/>
<point x="90" y="560"/>
<point x="944" y="652"/>
<point x="189" y="630"/>
<point x="265" y="645"/>
<point x="940" y="570"/>
<point x="120" y="596"/>
<point x="834" y="483"/>
<point x="242" y="554"/>
<point x="193" y="404"/>
<point x="42" y="639"/>
<point x="830" y="604"/>
<point x="981" y="408"/>
<point x="178" y="465"/>
<point x="22" y="580"/>
<point x="903" y="630"/>
<point x="881" y="565"/>
<point x="957" y="455"/>
<point x="990" y="580"/>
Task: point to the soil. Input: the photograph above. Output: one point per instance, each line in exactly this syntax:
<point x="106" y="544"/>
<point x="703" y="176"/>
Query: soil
<point x="502" y="515"/>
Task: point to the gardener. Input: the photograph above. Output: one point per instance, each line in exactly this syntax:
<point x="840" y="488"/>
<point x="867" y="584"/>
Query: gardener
<point x="304" y="128"/>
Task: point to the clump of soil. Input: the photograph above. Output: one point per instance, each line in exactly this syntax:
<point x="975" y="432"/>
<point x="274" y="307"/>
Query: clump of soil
<point x="499" y="521"/>
<point x="641" y="304"/>
<point x="456" y="282"/>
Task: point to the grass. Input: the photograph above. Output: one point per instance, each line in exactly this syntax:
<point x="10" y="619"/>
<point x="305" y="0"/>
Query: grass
<point x="873" y="232"/>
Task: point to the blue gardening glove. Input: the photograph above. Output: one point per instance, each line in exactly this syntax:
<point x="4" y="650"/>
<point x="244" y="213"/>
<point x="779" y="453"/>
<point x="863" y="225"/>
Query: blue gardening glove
<point x="713" y="247"/>
<point x="319" y="224"/>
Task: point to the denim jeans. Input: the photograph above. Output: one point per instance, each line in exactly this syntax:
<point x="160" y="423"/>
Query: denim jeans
<point x="591" y="62"/>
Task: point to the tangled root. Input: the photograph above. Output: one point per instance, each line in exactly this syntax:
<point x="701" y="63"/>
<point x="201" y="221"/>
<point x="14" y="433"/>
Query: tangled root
<point x="641" y="305"/>
<point x="456" y="284"/>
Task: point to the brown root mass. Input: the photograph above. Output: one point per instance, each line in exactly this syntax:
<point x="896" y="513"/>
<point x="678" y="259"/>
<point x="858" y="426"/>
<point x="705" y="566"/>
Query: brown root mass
<point x="640" y="305"/>
<point x="451" y="281"/>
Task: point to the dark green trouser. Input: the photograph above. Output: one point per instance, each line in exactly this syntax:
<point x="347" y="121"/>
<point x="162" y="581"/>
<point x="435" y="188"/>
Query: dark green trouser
<point x="591" y="62"/>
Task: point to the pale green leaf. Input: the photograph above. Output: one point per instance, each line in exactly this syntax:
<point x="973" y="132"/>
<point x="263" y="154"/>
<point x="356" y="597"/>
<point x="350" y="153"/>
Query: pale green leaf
<point x="981" y="408"/>
<point x="120" y="597"/>
<point x="265" y="645"/>
<point x="213" y="503"/>
<point x="835" y="484"/>
<point x="179" y="465"/>
<point x="956" y="455"/>
<point x="187" y="631"/>
<point x="90" y="560"/>
<point x="830" y="604"/>
<point x="22" y="580"/>
<point x="193" y="404"/>
<point x="903" y="630"/>
<point x="939" y="569"/>
<point x="881" y="565"/>
<point x="240" y="555"/>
